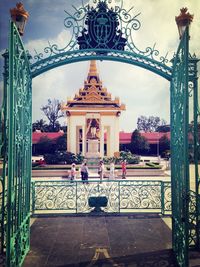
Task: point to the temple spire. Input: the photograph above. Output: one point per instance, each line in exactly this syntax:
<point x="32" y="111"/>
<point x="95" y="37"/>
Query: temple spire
<point x="93" y="70"/>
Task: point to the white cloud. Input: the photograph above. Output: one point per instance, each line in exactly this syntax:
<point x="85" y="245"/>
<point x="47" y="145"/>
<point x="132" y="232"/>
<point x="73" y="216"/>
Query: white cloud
<point x="143" y="92"/>
<point x="40" y="44"/>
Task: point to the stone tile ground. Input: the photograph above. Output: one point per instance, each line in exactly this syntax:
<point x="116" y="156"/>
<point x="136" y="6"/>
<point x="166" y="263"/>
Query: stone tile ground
<point x="134" y="240"/>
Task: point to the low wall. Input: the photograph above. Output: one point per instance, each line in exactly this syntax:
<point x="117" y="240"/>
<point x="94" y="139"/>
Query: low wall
<point x="139" y="172"/>
<point x="118" y="173"/>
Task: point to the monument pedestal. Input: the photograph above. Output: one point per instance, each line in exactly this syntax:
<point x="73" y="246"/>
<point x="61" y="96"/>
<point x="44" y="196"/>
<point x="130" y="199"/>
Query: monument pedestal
<point x="93" y="148"/>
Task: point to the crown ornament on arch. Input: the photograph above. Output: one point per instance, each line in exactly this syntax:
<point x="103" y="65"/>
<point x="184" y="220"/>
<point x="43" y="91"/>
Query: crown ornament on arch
<point x="101" y="27"/>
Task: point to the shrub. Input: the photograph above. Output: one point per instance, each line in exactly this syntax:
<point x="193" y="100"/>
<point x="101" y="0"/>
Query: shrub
<point x="153" y="165"/>
<point x="50" y="159"/>
<point x="124" y="155"/>
<point x="79" y="158"/>
<point x="63" y="157"/>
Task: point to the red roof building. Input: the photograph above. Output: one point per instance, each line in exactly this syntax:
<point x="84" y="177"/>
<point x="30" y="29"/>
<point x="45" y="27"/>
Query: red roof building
<point x="124" y="138"/>
<point x="38" y="135"/>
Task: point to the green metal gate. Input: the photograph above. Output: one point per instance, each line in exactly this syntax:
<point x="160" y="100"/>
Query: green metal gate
<point x="179" y="152"/>
<point x="16" y="178"/>
<point x="18" y="158"/>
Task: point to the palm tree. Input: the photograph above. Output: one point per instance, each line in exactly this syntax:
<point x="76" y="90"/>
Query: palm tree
<point x="39" y="125"/>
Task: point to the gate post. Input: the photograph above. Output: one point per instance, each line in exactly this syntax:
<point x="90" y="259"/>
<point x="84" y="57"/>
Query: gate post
<point x="196" y="117"/>
<point x="18" y="161"/>
<point x="4" y="150"/>
<point x="179" y="143"/>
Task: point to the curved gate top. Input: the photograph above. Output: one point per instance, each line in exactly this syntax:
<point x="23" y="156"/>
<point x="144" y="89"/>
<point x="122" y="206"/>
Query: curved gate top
<point x="104" y="32"/>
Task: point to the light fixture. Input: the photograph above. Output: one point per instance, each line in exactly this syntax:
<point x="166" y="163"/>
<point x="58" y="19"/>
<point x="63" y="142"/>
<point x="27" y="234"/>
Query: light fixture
<point x="183" y="20"/>
<point x="19" y="16"/>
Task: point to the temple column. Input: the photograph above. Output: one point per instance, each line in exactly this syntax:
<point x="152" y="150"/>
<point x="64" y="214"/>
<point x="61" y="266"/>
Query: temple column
<point x="116" y="131"/>
<point x="83" y="140"/>
<point x="102" y="142"/>
<point x="73" y="140"/>
<point x="68" y="133"/>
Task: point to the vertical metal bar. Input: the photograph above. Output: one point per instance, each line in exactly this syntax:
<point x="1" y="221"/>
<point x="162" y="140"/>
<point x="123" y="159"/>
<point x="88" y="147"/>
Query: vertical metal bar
<point x="10" y="146"/>
<point x="179" y="152"/>
<point x="162" y="198"/>
<point x="4" y="148"/>
<point x="28" y="171"/>
<point x="195" y="118"/>
<point x="33" y="197"/>
<point x="172" y="157"/>
<point x="186" y="151"/>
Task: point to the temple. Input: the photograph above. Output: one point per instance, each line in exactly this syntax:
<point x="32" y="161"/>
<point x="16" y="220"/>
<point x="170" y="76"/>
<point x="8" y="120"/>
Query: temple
<point x="91" y="115"/>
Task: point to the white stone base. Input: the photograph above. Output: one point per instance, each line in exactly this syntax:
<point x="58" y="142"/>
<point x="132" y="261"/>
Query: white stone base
<point x="93" y="149"/>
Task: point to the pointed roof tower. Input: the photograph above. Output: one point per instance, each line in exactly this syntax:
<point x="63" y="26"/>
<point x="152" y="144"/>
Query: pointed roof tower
<point x="93" y="70"/>
<point x="93" y="94"/>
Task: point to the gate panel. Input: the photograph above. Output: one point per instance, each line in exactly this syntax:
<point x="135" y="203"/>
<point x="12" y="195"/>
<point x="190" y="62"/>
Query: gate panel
<point x="179" y="152"/>
<point x="19" y="152"/>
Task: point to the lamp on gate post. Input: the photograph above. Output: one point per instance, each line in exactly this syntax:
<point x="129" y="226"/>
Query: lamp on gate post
<point x="183" y="20"/>
<point x="19" y="16"/>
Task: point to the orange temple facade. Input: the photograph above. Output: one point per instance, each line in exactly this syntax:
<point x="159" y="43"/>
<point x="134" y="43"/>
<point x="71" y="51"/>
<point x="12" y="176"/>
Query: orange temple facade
<point x="91" y="115"/>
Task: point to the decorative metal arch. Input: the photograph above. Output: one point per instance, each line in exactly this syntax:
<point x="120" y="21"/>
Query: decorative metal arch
<point x="103" y="32"/>
<point x="82" y="55"/>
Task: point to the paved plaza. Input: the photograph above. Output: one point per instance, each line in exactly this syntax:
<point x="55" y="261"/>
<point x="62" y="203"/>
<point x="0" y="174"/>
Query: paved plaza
<point x="137" y="240"/>
<point x="133" y="240"/>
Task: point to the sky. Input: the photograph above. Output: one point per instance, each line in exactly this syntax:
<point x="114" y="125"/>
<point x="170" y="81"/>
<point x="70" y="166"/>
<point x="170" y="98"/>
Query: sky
<point x="143" y="92"/>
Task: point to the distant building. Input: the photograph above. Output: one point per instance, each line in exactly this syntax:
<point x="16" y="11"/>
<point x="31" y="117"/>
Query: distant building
<point x="38" y="136"/>
<point x="152" y="137"/>
<point x="124" y="138"/>
<point x="91" y="114"/>
<point x="93" y="122"/>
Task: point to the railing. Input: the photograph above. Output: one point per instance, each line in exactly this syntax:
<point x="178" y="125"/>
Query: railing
<point x="194" y="220"/>
<point x="65" y="197"/>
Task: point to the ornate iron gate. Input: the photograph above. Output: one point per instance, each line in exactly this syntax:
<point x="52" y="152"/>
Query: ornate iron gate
<point x="179" y="152"/>
<point x="18" y="158"/>
<point x="17" y="116"/>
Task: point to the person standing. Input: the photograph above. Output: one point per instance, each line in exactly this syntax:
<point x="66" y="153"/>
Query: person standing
<point x="73" y="171"/>
<point x="124" y="169"/>
<point x="85" y="173"/>
<point x="82" y="171"/>
<point x="101" y="170"/>
<point x="112" y="171"/>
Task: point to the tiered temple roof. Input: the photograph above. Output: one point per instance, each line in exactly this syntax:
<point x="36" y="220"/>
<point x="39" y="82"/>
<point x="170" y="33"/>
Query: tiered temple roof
<point x="93" y="94"/>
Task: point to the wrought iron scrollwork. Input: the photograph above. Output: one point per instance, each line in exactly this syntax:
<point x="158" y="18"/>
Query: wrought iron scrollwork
<point x="140" y="195"/>
<point x="101" y="30"/>
<point x="179" y="151"/>
<point x="121" y="56"/>
<point x="122" y="196"/>
<point x="193" y="223"/>
<point x="167" y="194"/>
<point x="18" y="164"/>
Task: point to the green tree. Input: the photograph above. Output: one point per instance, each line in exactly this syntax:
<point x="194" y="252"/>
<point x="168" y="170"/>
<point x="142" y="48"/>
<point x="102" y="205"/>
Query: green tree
<point x="139" y="144"/>
<point x="61" y="143"/>
<point x="40" y="125"/>
<point x="53" y="112"/>
<point x="45" y="145"/>
<point x="163" y="128"/>
<point x="164" y="145"/>
<point x="54" y="128"/>
<point x="149" y="124"/>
